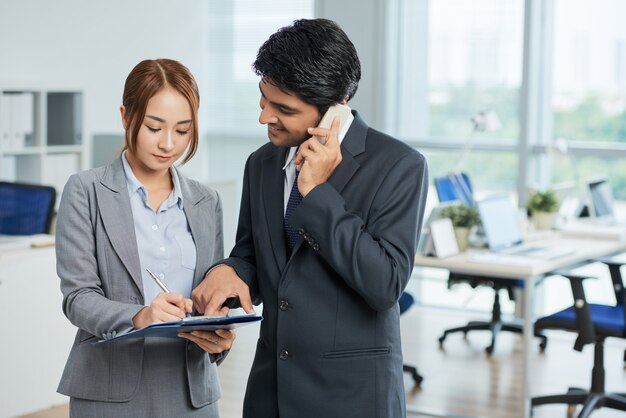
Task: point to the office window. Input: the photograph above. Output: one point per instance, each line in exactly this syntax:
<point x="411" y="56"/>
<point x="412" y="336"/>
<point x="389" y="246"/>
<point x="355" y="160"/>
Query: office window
<point x="473" y="62"/>
<point x="237" y="30"/>
<point x="485" y="178"/>
<point x="458" y="58"/>
<point x="589" y="71"/>
<point x="578" y="170"/>
<point x="589" y="92"/>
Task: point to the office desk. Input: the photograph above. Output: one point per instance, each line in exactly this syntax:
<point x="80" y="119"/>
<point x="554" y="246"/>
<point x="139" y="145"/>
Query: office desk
<point x="482" y="263"/>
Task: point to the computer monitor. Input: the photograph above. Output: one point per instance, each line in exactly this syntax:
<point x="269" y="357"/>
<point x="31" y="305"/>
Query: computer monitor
<point x="499" y="220"/>
<point x="600" y="198"/>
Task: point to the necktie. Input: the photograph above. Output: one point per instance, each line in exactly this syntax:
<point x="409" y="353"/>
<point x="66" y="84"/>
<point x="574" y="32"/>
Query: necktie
<point x="294" y="200"/>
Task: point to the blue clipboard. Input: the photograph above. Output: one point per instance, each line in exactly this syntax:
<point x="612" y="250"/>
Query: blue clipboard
<point x="194" y="323"/>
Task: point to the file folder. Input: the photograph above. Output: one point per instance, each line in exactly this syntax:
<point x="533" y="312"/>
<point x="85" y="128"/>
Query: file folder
<point x="193" y="323"/>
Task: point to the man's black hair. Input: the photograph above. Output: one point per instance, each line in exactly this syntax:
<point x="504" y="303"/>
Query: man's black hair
<point x="312" y="58"/>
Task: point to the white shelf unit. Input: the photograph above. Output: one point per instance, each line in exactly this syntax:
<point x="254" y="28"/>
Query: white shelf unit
<point x="41" y="135"/>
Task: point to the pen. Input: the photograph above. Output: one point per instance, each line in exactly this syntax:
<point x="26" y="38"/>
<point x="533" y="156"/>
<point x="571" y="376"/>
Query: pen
<point x="162" y="285"/>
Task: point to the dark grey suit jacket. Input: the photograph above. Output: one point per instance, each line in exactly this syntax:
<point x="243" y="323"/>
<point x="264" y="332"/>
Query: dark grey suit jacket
<point x="329" y="345"/>
<point x="98" y="263"/>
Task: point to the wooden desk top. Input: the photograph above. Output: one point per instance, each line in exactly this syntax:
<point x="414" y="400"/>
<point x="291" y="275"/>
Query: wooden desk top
<point x="484" y="263"/>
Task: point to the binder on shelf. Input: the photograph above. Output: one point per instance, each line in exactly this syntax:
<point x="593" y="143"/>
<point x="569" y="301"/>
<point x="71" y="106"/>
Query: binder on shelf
<point x="16" y="120"/>
<point x="6" y="121"/>
<point x="26" y="119"/>
<point x="40" y="135"/>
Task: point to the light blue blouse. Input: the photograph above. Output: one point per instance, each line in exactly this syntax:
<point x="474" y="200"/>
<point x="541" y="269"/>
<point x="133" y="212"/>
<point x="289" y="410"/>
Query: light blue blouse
<point x="164" y="239"/>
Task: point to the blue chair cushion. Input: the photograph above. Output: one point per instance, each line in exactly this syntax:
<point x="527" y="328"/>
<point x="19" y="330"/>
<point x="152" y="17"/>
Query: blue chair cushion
<point x="405" y="302"/>
<point x="607" y="320"/>
<point x="25" y="209"/>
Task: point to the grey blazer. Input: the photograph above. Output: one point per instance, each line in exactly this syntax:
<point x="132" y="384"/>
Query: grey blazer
<point x="98" y="263"/>
<point x="330" y="342"/>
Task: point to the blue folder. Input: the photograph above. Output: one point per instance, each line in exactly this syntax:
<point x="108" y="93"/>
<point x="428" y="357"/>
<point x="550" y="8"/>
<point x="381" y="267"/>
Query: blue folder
<point x="194" y="323"/>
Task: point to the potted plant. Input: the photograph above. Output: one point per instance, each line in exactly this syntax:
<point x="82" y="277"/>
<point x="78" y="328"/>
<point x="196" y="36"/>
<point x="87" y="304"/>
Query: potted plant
<point x="542" y="208"/>
<point x="463" y="218"/>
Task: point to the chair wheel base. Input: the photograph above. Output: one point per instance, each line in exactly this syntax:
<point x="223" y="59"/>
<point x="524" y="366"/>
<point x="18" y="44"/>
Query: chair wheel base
<point x="441" y="340"/>
<point x="417" y="378"/>
<point x="571" y="410"/>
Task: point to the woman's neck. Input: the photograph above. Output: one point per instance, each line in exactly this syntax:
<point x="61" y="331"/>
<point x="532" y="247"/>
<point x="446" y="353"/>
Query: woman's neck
<point x="151" y="179"/>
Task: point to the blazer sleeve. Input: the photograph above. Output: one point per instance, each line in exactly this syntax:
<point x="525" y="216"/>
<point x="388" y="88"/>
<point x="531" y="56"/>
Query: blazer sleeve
<point x="84" y="301"/>
<point x="374" y="256"/>
<point x="242" y="257"/>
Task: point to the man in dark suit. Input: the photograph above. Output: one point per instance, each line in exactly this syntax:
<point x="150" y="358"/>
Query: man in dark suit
<point x="328" y="228"/>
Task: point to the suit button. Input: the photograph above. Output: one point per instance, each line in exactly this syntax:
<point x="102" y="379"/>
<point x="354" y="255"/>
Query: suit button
<point x="307" y="236"/>
<point x="316" y="246"/>
<point x="283" y="305"/>
<point x="301" y="231"/>
<point x="283" y="354"/>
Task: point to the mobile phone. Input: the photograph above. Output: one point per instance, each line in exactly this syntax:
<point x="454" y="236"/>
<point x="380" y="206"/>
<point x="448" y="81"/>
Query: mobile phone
<point x="340" y="110"/>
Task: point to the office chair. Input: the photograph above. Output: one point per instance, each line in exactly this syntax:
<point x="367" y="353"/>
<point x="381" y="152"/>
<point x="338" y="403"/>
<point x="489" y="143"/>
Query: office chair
<point x="593" y="323"/>
<point x="405" y="302"/>
<point x="454" y="186"/>
<point x="457" y="186"/>
<point x="26" y="209"/>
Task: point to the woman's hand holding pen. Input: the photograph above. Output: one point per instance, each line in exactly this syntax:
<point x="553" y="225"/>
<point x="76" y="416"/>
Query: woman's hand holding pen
<point x="164" y="308"/>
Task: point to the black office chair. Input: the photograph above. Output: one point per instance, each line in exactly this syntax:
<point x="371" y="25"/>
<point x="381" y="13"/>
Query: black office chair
<point x="593" y="323"/>
<point x="26" y="209"/>
<point x="457" y="186"/>
<point x="405" y="302"/>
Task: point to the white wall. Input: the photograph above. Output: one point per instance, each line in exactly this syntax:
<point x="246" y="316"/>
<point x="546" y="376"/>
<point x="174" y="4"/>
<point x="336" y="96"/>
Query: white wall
<point x="92" y="46"/>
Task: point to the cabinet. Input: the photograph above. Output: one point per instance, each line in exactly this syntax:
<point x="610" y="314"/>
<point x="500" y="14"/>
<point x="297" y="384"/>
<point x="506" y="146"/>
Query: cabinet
<point x="41" y="135"/>
<point x="36" y="336"/>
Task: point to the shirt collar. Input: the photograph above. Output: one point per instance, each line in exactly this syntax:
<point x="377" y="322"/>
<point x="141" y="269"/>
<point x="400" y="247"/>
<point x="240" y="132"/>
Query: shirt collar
<point x="135" y="186"/>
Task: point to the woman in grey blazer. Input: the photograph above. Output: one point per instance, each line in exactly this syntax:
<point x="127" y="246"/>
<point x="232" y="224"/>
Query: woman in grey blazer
<point x="114" y="222"/>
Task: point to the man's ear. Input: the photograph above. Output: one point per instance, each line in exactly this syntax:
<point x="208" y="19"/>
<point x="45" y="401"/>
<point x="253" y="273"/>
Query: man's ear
<point x="123" y="114"/>
<point x="345" y="100"/>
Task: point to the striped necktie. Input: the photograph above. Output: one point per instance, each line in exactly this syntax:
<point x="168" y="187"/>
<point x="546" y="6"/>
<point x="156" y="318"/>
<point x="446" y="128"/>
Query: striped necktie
<point x="294" y="200"/>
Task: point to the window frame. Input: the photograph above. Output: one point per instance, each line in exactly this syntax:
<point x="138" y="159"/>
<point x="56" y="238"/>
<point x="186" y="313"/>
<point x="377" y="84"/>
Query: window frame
<point x="537" y="135"/>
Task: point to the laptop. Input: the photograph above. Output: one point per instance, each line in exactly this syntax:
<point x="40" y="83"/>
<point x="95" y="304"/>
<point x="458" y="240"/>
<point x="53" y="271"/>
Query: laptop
<point x="499" y="220"/>
<point x="601" y="202"/>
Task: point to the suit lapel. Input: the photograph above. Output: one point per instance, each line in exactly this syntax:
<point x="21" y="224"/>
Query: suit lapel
<point x="272" y="183"/>
<point x="344" y="171"/>
<point x="352" y="145"/>
<point x="117" y="217"/>
<point x="196" y="225"/>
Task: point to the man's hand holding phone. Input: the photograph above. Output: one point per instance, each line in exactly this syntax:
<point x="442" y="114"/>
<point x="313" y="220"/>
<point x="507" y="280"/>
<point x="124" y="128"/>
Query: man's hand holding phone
<point x="319" y="156"/>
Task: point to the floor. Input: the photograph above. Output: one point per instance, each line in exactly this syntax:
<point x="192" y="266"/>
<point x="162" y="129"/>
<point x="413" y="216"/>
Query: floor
<point x="458" y="380"/>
